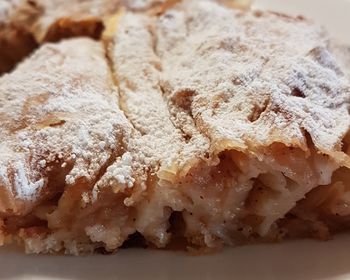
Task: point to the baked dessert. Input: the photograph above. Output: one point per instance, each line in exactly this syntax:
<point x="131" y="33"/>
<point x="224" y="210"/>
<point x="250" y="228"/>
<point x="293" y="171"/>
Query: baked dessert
<point x="199" y="124"/>
<point x="242" y="104"/>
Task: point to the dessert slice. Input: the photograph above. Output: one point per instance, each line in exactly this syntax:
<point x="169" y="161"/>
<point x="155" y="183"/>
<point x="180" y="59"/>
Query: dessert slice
<point x="262" y="107"/>
<point x="237" y="131"/>
<point x="60" y="128"/>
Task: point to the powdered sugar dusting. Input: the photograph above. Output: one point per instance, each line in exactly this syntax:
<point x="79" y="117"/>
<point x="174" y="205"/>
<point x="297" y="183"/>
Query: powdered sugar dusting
<point x="137" y="72"/>
<point x="342" y="53"/>
<point x="121" y="171"/>
<point x="204" y="71"/>
<point x="202" y="75"/>
<point x="143" y="4"/>
<point x="56" y="118"/>
<point x="25" y="188"/>
<point x="120" y="176"/>
<point x="255" y="78"/>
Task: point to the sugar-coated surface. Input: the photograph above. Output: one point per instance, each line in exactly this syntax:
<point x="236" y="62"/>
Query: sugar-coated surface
<point x="64" y="111"/>
<point x="225" y="117"/>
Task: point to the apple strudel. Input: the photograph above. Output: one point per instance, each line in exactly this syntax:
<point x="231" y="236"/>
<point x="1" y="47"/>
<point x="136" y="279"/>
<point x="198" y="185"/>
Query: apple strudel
<point x="201" y="123"/>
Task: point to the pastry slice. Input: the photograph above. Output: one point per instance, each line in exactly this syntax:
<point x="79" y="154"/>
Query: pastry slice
<point x="60" y="128"/>
<point x="227" y="127"/>
<point x="262" y="105"/>
<point x="231" y="135"/>
<point x="276" y="107"/>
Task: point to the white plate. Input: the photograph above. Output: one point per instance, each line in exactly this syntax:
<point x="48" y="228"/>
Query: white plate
<point x="297" y="260"/>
